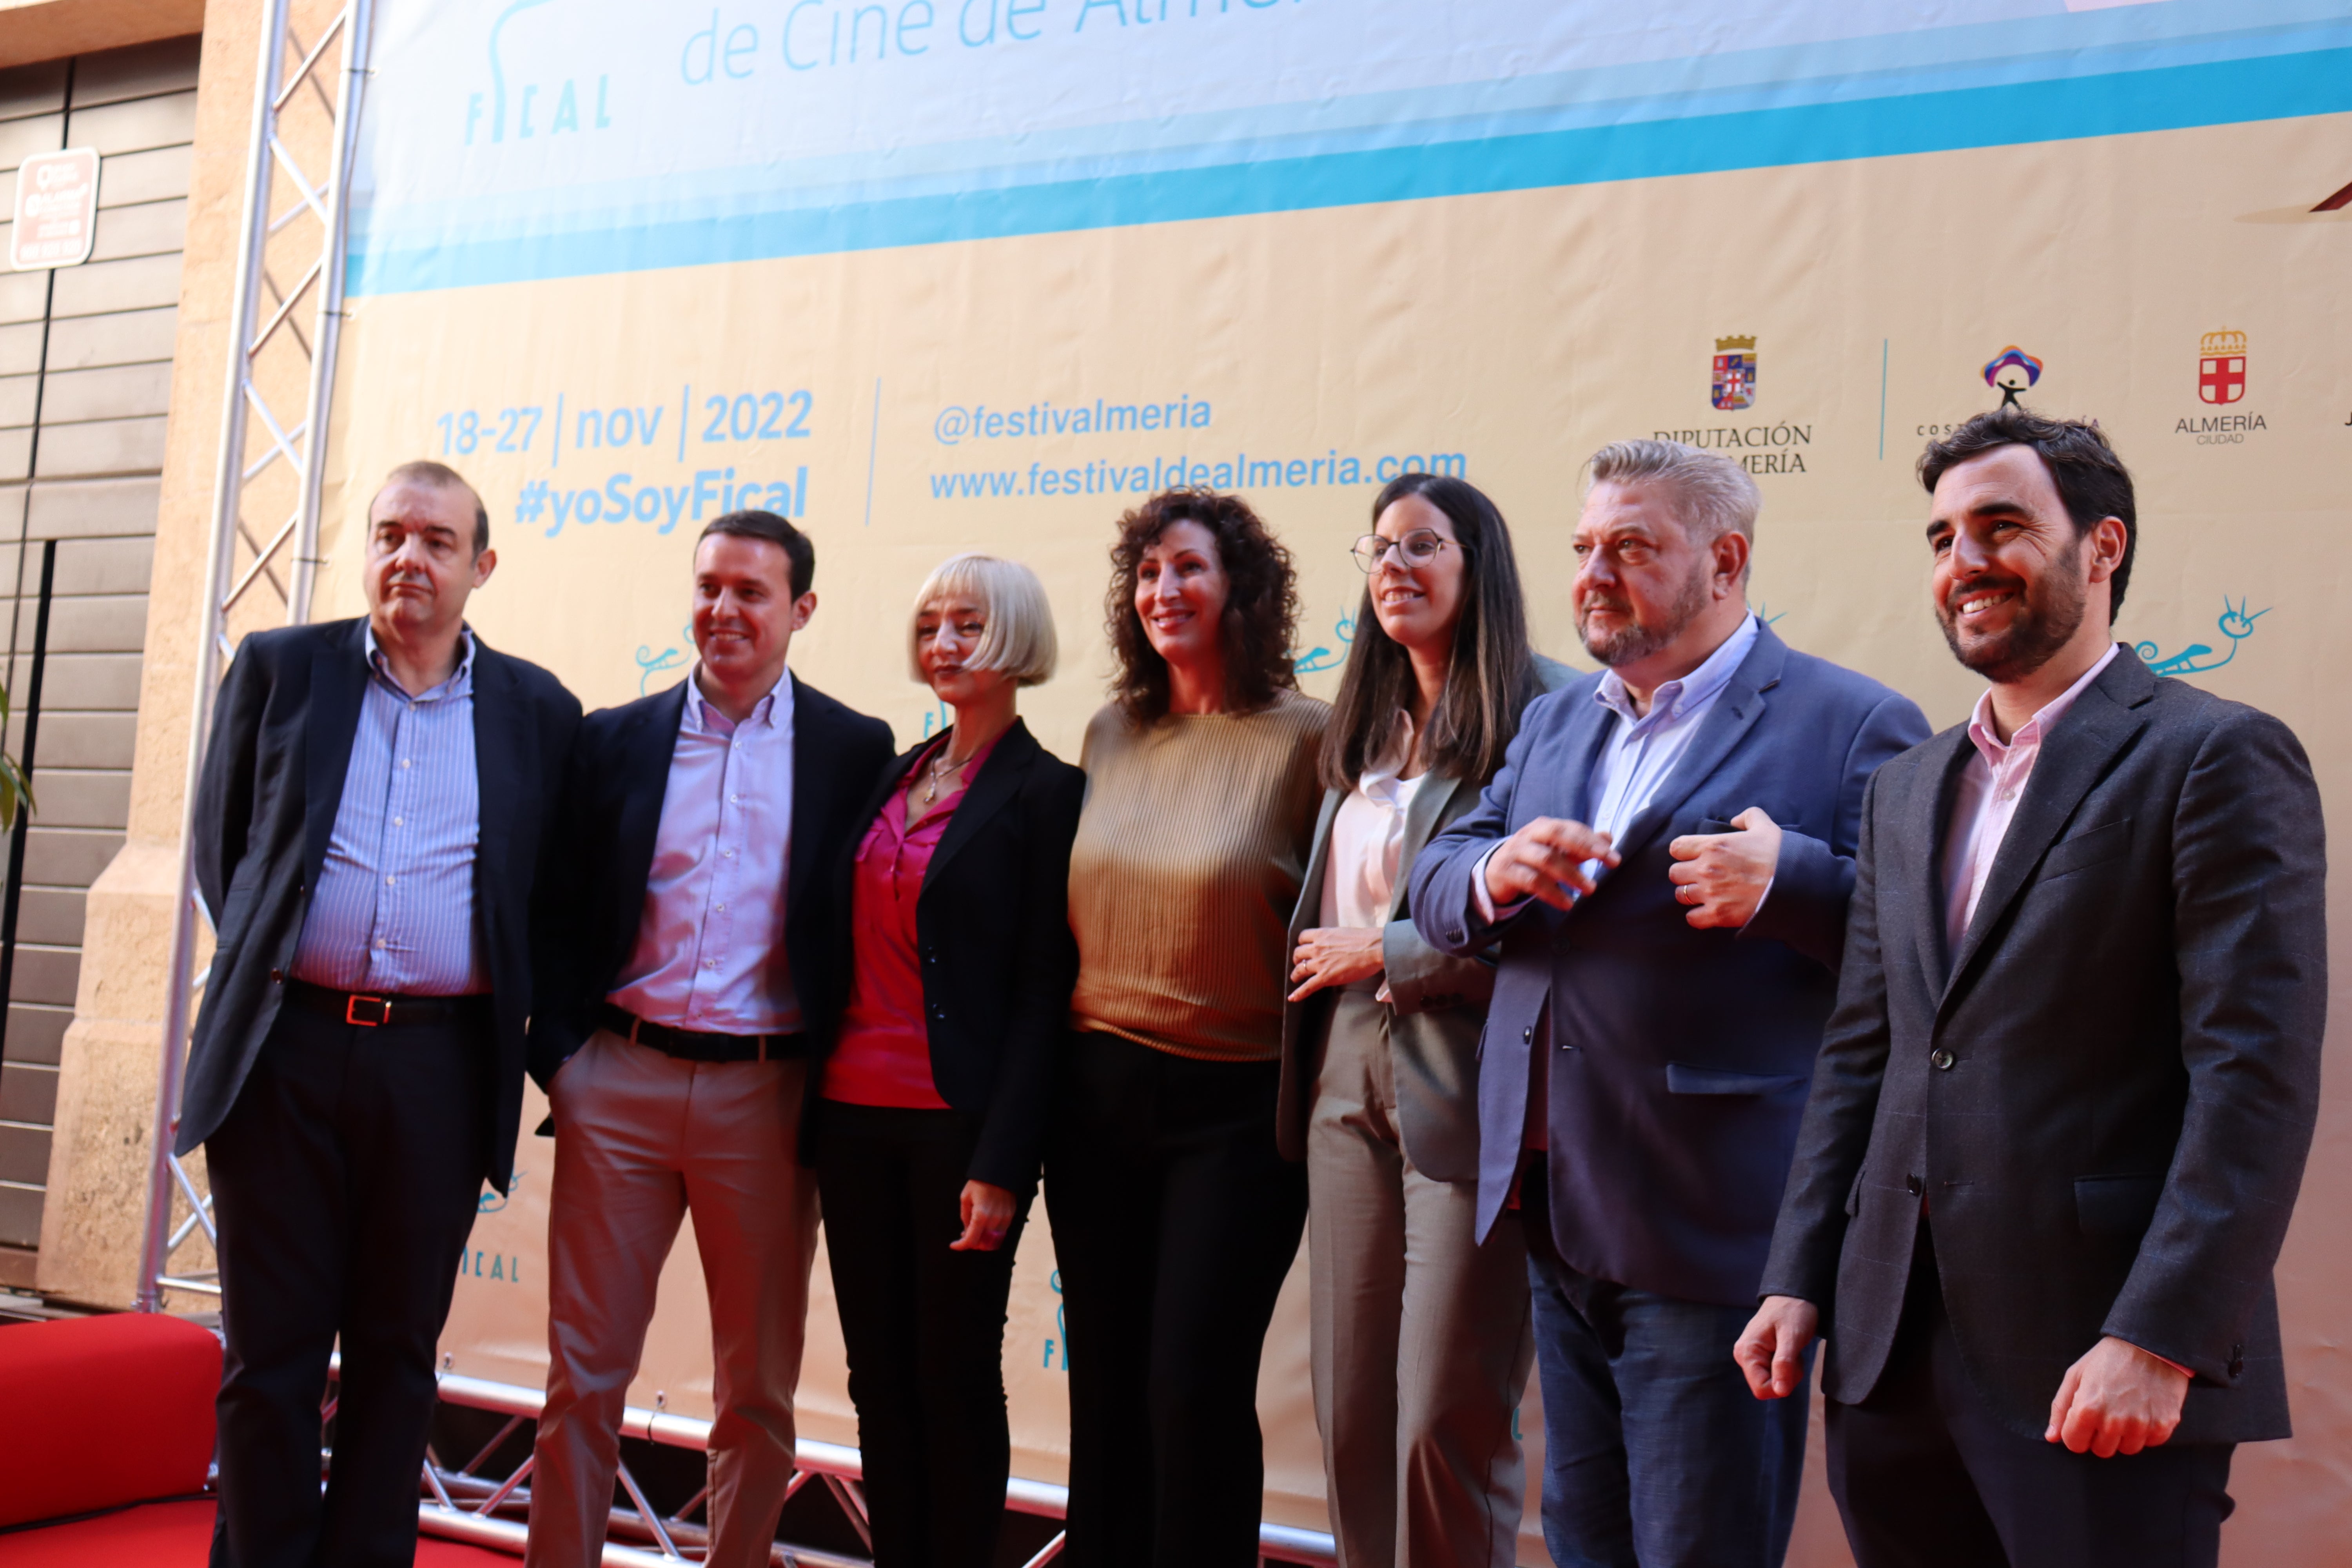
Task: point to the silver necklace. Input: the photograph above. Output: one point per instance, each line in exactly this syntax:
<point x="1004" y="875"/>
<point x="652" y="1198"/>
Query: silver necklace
<point x="938" y="770"/>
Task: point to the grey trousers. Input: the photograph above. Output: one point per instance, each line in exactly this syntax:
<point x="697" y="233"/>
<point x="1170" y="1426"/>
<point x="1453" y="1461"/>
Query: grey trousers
<point x="1422" y="1339"/>
<point x="642" y="1138"/>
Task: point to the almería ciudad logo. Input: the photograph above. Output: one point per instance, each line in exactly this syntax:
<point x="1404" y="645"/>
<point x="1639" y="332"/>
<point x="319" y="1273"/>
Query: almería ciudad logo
<point x="2221" y="382"/>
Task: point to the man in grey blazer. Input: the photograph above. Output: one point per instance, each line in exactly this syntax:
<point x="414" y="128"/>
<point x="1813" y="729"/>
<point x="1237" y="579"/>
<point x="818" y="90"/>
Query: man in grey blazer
<point x="1665" y="858"/>
<point x="2060" y="1116"/>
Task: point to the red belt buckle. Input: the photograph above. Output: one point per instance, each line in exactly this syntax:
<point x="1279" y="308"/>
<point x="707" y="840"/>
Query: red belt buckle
<point x="383" y="1005"/>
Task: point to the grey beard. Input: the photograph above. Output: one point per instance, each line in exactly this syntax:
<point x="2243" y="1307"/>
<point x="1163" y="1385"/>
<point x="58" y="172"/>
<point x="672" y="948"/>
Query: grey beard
<point x="1642" y="639"/>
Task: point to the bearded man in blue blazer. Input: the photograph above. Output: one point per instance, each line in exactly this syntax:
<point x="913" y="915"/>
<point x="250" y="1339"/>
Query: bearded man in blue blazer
<point x="1665" y="860"/>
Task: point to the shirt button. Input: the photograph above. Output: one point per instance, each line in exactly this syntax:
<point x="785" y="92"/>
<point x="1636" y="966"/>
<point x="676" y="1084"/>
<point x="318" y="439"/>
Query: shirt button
<point x="719" y="908"/>
<point x="397" y="822"/>
<point x="1941" y="1059"/>
<point x="709" y="963"/>
<point x="388" y="881"/>
<point x="407" y="762"/>
<point x="731" y="853"/>
<point x="732" y="799"/>
<point x="379" y="941"/>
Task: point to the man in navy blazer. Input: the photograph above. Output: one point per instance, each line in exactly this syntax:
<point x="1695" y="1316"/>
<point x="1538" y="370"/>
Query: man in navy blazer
<point x="1666" y="859"/>
<point x="370" y="840"/>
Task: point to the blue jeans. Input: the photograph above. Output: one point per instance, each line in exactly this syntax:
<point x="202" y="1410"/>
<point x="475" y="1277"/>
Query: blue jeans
<point x="1655" y="1455"/>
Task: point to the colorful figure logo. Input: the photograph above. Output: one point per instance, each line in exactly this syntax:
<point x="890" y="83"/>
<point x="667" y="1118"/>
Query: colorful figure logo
<point x="1735" y="373"/>
<point x="2013" y="371"/>
<point x="2221" y="367"/>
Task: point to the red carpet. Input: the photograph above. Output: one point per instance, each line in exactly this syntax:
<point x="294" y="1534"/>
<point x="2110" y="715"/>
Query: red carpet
<point x="175" y="1535"/>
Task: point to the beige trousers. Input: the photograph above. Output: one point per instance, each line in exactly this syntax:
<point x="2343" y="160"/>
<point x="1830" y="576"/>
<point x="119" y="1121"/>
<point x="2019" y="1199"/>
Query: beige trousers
<point x="642" y="1138"/>
<point x="1422" y="1339"/>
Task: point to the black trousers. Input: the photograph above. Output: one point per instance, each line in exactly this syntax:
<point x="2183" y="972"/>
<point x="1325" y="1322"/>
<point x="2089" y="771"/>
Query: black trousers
<point x="1926" y="1476"/>
<point x="344" y="1183"/>
<point x="1175" y="1222"/>
<point x="924" y="1327"/>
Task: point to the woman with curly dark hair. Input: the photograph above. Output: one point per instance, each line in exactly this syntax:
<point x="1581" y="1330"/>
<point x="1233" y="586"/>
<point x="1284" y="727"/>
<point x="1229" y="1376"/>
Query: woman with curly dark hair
<point x="1175" y="1219"/>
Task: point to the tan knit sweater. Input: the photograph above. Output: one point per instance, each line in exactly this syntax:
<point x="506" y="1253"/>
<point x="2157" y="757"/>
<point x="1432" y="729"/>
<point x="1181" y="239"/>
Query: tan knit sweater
<point x="1188" y="862"/>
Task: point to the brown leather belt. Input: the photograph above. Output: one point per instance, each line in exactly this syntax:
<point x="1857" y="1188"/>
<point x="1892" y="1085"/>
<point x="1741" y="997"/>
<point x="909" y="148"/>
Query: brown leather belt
<point x="375" y="1010"/>
<point x="702" y="1046"/>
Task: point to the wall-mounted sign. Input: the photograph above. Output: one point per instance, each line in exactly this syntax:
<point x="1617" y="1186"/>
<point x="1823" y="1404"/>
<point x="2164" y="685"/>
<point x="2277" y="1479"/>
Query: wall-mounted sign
<point x="57" y="209"/>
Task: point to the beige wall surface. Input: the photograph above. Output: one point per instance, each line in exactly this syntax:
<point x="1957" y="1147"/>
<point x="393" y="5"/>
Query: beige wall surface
<point x="1521" y="331"/>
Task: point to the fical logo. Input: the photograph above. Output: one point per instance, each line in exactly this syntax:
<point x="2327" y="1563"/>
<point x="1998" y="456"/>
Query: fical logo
<point x="1735" y="373"/>
<point x="2221" y="367"/>
<point x="2013" y="371"/>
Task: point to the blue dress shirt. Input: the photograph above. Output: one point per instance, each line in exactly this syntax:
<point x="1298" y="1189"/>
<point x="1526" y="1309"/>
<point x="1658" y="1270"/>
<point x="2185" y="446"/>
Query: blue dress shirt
<point x="393" y="909"/>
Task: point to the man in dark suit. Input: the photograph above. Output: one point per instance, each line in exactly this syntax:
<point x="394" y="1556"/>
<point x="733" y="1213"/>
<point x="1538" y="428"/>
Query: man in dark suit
<point x="2060" y="1116"/>
<point x="1665" y="858"/>
<point x="368" y="841"/>
<point x="693" y="975"/>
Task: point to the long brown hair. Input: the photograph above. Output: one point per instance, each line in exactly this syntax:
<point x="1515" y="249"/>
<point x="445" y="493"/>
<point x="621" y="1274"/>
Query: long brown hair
<point x="1492" y="675"/>
<point x="1261" y="603"/>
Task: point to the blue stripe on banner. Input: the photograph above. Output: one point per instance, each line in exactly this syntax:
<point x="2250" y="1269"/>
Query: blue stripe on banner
<point x="2277" y="87"/>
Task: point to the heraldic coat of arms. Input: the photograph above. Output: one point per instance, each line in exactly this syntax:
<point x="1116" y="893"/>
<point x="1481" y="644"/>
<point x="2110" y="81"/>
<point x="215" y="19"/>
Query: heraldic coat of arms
<point x="2221" y="367"/>
<point x="1735" y="373"/>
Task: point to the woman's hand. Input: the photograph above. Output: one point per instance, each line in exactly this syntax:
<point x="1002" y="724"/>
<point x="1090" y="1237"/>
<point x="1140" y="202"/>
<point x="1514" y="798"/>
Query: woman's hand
<point x="987" y="1215"/>
<point x="1334" y="955"/>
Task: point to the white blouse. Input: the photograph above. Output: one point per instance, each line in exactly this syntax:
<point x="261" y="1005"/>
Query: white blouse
<point x="1360" y="875"/>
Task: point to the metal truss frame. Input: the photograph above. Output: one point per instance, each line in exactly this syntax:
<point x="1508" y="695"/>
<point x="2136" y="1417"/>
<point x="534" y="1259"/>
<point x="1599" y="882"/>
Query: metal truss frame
<point x="295" y="83"/>
<point x="465" y="1504"/>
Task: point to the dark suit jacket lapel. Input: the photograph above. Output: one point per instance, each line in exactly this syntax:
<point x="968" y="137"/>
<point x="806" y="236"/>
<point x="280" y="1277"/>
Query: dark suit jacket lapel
<point x="1589" y="727"/>
<point x="1926" y="820"/>
<point x="1308" y="914"/>
<point x="999" y="781"/>
<point x="500" y="734"/>
<point x="1736" y="709"/>
<point x="339" y="677"/>
<point x="2074" y="757"/>
<point x="642" y="763"/>
<point x="1421" y="819"/>
<point x="817" y="780"/>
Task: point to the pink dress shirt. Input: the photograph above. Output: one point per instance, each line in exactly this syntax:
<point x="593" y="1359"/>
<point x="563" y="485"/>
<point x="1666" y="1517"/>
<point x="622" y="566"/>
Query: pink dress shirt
<point x="1986" y="799"/>
<point x="884" y="1054"/>
<point x="710" y="944"/>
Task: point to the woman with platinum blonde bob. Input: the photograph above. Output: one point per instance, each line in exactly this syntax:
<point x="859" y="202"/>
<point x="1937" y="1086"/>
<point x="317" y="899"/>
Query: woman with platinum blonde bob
<point x="928" y="1124"/>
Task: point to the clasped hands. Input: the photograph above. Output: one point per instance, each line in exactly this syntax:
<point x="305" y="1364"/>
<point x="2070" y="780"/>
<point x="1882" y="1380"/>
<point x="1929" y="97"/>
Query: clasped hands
<point x="2117" y="1399"/>
<point x="1719" y="877"/>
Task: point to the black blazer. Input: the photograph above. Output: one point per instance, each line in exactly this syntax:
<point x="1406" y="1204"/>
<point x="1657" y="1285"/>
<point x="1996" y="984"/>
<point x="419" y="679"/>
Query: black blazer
<point x="993" y="928"/>
<point x="2106" y="1093"/>
<point x="266" y="804"/>
<point x="610" y="816"/>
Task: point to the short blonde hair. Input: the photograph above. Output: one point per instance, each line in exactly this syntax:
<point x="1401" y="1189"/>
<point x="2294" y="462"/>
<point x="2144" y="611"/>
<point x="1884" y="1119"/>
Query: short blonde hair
<point x="1019" y="637"/>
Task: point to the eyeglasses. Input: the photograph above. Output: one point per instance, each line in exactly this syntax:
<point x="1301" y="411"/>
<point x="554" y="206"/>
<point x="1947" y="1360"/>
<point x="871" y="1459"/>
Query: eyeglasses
<point x="1418" y="548"/>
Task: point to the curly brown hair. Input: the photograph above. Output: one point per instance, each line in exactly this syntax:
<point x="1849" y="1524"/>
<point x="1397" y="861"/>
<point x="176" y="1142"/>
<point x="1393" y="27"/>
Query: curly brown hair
<point x="1261" y="614"/>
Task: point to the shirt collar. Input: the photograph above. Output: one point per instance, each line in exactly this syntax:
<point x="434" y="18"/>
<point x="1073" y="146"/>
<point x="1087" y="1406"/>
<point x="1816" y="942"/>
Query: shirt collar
<point x="773" y="711"/>
<point x="1673" y="699"/>
<point x="461" y="679"/>
<point x="2034" y="731"/>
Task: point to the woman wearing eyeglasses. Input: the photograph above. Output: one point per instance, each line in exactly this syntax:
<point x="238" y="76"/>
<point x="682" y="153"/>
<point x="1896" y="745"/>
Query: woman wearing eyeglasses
<point x="1422" y="1336"/>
